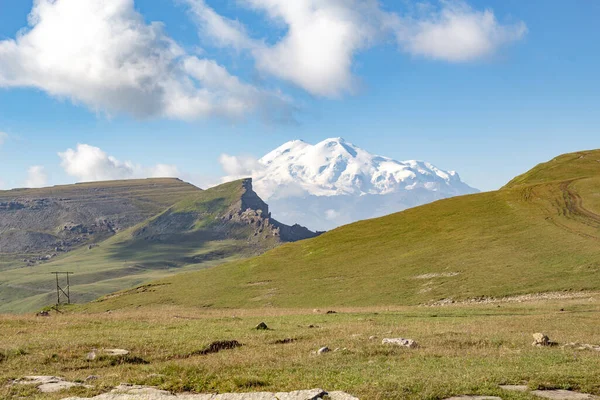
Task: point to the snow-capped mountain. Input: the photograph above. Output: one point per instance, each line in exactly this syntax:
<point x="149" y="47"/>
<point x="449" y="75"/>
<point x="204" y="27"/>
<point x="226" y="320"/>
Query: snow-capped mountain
<point x="335" y="167"/>
<point x="335" y="182"/>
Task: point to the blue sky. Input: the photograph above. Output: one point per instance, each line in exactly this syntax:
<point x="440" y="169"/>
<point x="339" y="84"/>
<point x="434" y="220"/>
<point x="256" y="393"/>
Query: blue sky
<point x="503" y="95"/>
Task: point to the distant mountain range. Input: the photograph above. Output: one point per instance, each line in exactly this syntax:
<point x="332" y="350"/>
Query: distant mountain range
<point x="335" y="182"/>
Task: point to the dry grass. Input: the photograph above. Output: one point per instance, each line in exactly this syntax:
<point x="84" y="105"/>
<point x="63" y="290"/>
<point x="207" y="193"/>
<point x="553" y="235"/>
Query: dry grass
<point x="464" y="349"/>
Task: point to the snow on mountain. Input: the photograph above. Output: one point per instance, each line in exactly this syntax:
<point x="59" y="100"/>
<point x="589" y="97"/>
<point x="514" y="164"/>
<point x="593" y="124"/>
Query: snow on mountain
<point x="335" y="182"/>
<point x="335" y="167"/>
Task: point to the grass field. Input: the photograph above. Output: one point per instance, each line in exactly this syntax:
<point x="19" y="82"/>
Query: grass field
<point x="540" y="235"/>
<point x="463" y="350"/>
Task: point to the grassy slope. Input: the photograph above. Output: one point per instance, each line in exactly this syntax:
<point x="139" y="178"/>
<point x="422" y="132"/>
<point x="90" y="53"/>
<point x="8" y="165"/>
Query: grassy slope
<point x="539" y="234"/>
<point x="126" y="260"/>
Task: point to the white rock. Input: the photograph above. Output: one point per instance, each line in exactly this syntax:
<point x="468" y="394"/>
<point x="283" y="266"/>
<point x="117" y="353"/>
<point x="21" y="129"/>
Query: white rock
<point x="401" y="342"/>
<point x="474" y="398"/>
<point x="515" y="388"/>
<point x="323" y="350"/>
<point x="116" y="352"/>
<point x="48" y="384"/>
<point x="563" y="395"/>
<point x="314" y="394"/>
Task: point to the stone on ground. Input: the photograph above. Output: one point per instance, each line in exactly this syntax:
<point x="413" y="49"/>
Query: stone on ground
<point x="323" y="350"/>
<point x="116" y="352"/>
<point x="515" y="388"/>
<point x="474" y="398"/>
<point x="563" y="395"/>
<point x="131" y="394"/>
<point x="139" y="390"/>
<point x="262" y="327"/>
<point x="47" y="384"/>
<point x="401" y="342"/>
<point x="541" y="340"/>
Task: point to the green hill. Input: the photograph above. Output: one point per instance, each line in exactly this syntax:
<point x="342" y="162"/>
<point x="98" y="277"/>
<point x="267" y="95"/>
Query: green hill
<point x="540" y="233"/>
<point x="35" y="223"/>
<point x="224" y="223"/>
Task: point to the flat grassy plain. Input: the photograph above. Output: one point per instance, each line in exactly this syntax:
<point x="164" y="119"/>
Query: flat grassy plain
<point x="463" y="349"/>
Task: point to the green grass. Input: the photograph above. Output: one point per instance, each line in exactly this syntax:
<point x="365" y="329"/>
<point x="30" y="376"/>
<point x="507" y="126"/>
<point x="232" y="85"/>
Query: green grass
<point x="463" y="350"/>
<point x="582" y="164"/>
<point x="156" y="248"/>
<point x="533" y="238"/>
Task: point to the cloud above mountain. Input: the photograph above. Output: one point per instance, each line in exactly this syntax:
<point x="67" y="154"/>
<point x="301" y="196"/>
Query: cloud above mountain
<point x="36" y="177"/>
<point x="317" y="52"/>
<point x="89" y="163"/>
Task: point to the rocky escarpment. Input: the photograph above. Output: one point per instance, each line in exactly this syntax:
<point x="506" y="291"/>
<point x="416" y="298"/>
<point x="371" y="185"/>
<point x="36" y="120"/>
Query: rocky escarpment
<point x="254" y="212"/>
<point x="236" y="213"/>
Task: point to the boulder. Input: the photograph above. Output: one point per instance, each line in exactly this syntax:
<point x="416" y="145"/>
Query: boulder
<point x="541" y="340"/>
<point x="323" y="350"/>
<point x="411" y="344"/>
<point x="262" y="327"/>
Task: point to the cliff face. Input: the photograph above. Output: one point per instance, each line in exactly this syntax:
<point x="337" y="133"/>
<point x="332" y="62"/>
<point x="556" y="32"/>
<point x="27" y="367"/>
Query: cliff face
<point x="229" y="211"/>
<point x="255" y="212"/>
<point x="250" y="199"/>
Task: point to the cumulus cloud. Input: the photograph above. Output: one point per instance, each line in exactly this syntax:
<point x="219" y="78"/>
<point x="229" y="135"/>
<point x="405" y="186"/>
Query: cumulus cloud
<point x="317" y="51"/>
<point x="89" y="163"/>
<point x="456" y="33"/>
<point x="105" y="56"/>
<point x="323" y="36"/>
<point x="36" y="177"/>
<point x="237" y="167"/>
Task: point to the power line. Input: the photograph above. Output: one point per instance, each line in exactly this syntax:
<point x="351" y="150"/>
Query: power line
<point x="60" y="289"/>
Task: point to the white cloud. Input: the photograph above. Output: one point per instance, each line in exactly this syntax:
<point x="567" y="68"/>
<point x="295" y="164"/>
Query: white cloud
<point x="317" y="51"/>
<point x="456" y="33"/>
<point x="237" y="167"/>
<point x="105" y="56"/>
<point x="323" y="36"/>
<point x="88" y="163"/>
<point x="36" y="177"/>
<point x="3" y="137"/>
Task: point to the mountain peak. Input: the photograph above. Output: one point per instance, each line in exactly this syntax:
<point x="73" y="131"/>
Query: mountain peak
<point x="337" y="169"/>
